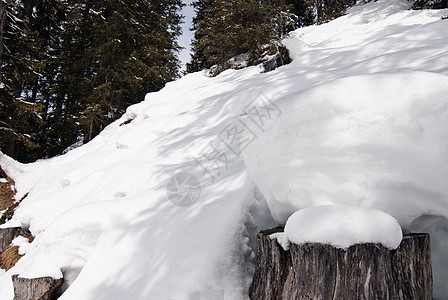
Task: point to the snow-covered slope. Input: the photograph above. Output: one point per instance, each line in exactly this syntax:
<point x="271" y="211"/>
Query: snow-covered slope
<point x="167" y="206"/>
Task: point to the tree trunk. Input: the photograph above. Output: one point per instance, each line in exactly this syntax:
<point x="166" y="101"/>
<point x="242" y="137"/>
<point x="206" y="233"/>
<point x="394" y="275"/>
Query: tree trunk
<point x="44" y="288"/>
<point x="364" y="271"/>
<point x="2" y="24"/>
<point x="319" y="11"/>
<point x="8" y="234"/>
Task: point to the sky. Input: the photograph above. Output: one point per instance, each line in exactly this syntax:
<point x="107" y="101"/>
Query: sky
<point x="187" y="35"/>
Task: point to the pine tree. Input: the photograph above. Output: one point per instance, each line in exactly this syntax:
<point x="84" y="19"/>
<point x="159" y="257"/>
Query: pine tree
<point x="327" y="10"/>
<point x="47" y="20"/>
<point x="336" y="8"/>
<point x="131" y="52"/>
<point x="224" y="29"/>
<point x="73" y="66"/>
<point x="303" y="13"/>
<point x="2" y="23"/>
<point x="20" y="66"/>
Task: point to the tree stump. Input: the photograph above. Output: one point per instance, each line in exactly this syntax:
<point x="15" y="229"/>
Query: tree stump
<point x="8" y="234"/>
<point x="364" y="271"/>
<point x="44" y="288"/>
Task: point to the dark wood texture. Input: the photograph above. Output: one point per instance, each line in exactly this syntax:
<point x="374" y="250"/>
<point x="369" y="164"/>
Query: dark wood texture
<point x="2" y="24"/>
<point x="44" y="288"/>
<point x="8" y="234"/>
<point x="364" y="271"/>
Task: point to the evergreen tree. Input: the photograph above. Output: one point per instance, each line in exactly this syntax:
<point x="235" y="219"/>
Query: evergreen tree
<point x="73" y="66"/>
<point x="201" y="25"/>
<point x="19" y="118"/>
<point x="327" y="10"/>
<point x="130" y="51"/>
<point x="225" y="28"/>
<point x="302" y="11"/>
<point x="2" y="23"/>
<point x="47" y="20"/>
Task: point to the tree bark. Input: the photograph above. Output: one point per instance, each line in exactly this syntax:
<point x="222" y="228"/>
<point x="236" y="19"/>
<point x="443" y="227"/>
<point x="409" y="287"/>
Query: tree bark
<point x="8" y="234"/>
<point x="364" y="271"/>
<point x="2" y="24"/>
<point x="319" y="11"/>
<point x="44" y="288"/>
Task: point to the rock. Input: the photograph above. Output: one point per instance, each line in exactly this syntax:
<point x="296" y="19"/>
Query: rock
<point x="270" y="56"/>
<point x="431" y="4"/>
<point x="44" y="288"/>
<point x="364" y="271"/>
<point x="281" y="58"/>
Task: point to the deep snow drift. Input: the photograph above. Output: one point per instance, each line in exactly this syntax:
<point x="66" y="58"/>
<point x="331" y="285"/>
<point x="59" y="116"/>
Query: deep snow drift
<point x="377" y="140"/>
<point x="165" y="207"/>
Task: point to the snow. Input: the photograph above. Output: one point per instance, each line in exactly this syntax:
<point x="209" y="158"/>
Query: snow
<point x="23" y="244"/>
<point x="39" y="265"/>
<point x="343" y="226"/>
<point x="372" y="140"/>
<point x="34" y="264"/>
<point x="358" y="118"/>
<point x="282" y="239"/>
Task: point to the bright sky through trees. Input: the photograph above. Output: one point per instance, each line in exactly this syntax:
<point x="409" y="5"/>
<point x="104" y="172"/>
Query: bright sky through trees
<point x="187" y="35"/>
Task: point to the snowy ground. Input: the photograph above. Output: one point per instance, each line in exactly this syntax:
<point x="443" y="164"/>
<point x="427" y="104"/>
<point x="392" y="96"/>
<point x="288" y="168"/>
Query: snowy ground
<point x="167" y="206"/>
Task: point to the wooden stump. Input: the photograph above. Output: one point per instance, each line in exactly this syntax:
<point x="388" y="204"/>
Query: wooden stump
<point x="8" y="234"/>
<point x="44" y="288"/>
<point x="364" y="271"/>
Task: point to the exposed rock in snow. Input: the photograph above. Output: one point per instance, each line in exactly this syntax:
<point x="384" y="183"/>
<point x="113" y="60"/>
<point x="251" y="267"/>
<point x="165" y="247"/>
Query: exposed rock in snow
<point x="270" y="57"/>
<point x="430" y="4"/>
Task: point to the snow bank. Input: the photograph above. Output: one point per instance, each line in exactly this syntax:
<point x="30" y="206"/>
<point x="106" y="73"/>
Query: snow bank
<point x="377" y="141"/>
<point x="343" y="226"/>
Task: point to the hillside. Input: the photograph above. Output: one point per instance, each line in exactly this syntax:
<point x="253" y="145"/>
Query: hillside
<point x="166" y="201"/>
